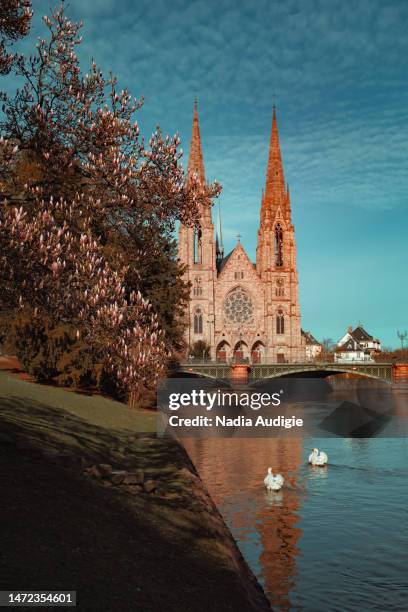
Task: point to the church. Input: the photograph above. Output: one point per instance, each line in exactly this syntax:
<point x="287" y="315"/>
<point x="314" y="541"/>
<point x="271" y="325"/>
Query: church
<point x="244" y="311"/>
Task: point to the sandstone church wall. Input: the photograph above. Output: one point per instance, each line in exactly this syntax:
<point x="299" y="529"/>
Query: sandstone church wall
<point x="241" y="310"/>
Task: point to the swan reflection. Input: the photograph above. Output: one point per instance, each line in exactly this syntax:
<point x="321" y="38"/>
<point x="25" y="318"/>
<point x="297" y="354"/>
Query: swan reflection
<point x="273" y="498"/>
<point x="273" y="515"/>
<point x="318" y="472"/>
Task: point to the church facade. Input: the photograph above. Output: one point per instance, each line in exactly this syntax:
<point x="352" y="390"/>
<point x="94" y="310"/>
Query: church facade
<point x="244" y="311"/>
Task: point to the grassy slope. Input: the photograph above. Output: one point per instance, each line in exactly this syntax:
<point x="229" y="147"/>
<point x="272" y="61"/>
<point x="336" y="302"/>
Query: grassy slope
<point x="61" y="530"/>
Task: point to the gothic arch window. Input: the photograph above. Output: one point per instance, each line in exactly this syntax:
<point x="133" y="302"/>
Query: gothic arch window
<point x="197" y="287"/>
<point x="198" y="245"/>
<point x="280" y="322"/>
<point x="278" y="246"/>
<point x="198" y="321"/>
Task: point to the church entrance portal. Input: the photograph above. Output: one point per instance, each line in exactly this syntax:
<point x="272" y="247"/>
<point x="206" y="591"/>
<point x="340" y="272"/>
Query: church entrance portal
<point x="241" y="352"/>
<point x="258" y="353"/>
<point x="223" y="352"/>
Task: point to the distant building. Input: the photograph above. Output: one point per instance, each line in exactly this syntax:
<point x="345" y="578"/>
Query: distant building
<point x="356" y="345"/>
<point x="313" y="347"/>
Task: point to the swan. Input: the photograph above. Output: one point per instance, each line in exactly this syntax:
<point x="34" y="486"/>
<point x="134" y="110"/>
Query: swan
<point x="316" y="458"/>
<point x="273" y="483"/>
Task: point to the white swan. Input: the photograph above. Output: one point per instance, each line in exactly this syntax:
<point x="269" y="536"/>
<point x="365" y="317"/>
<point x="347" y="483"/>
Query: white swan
<point x="273" y="483"/>
<point x="316" y="458"/>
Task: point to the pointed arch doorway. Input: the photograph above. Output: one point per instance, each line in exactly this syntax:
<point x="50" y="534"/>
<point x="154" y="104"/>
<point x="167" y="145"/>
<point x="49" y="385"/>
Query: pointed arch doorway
<point x="223" y="352"/>
<point x="241" y="352"/>
<point x="258" y="352"/>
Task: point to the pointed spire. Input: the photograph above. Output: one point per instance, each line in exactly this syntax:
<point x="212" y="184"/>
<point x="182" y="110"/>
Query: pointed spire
<point x="196" y="161"/>
<point x="275" y="192"/>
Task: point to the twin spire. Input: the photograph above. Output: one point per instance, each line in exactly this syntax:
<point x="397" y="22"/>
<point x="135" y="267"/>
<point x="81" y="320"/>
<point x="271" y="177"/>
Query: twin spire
<point x="196" y="160"/>
<point x="196" y="166"/>
<point x="276" y="194"/>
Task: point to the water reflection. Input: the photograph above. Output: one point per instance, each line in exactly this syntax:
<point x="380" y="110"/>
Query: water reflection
<point x="273" y="498"/>
<point x="317" y="472"/>
<point x="316" y="544"/>
<point x="272" y="516"/>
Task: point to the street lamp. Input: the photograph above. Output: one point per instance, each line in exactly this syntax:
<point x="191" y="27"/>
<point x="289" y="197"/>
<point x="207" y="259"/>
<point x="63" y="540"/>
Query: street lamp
<point x="211" y="321"/>
<point x="240" y="349"/>
<point x="402" y="336"/>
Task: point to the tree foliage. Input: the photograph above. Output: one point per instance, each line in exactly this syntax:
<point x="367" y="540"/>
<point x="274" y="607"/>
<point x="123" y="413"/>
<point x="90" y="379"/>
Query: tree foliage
<point x="393" y="355"/>
<point x="63" y="278"/>
<point x="15" y="17"/>
<point x="87" y="214"/>
<point x="200" y="350"/>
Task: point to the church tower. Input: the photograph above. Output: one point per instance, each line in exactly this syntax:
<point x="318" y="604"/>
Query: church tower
<point x="276" y="261"/>
<point x="197" y="250"/>
<point x="243" y="312"/>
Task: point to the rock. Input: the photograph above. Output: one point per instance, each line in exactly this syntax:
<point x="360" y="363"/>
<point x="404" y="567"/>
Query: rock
<point x="94" y="472"/>
<point x="161" y="490"/>
<point x="117" y="456"/>
<point x="121" y="450"/>
<point x="118" y="477"/>
<point x="132" y="439"/>
<point x="150" y="485"/>
<point x="133" y="489"/>
<point x="187" y="474"/>
<point x="134" y="478"/>
<point x="170" y="495"/>
<point x="105" y="469"/>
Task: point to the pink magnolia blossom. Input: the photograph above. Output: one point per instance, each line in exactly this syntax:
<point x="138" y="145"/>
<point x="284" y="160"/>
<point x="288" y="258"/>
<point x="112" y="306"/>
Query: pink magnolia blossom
<point x="54" y="272"/>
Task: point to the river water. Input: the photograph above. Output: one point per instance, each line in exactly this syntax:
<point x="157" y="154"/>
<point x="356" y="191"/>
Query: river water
<point x="334" y="538"/>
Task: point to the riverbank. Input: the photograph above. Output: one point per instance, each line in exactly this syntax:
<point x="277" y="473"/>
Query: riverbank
<point x="67" y="526"/>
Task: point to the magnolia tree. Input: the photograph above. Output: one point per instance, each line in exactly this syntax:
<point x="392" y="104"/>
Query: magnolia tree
<point x="84" y="134"/>
<point x="15" y="16"/>
<point x="78" y="226"/>
<point x="53" y="272"/>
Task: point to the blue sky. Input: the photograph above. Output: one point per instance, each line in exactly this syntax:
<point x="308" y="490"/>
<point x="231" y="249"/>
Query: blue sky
<point x="339" y="71"/>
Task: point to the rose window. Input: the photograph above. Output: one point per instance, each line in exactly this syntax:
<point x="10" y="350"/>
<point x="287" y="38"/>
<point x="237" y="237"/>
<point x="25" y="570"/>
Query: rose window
<point x="238" y="307"/>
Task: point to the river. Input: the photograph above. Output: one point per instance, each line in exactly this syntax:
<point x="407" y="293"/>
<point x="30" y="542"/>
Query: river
<point x="334" y="538"/>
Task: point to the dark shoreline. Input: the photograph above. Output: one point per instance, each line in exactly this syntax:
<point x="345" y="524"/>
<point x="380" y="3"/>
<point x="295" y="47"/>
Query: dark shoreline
<point x="121" y="548"/>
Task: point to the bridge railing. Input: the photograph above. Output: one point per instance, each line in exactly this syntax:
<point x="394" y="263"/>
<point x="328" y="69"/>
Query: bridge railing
<point x="247" y="361"/>
<point x="385" y="371"/>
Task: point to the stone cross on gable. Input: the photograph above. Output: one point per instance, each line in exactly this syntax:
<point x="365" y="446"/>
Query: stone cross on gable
<point x="239" y="237"/>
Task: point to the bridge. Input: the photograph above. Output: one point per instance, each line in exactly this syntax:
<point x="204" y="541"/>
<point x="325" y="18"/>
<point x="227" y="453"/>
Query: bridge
<point x="387" y="372"/>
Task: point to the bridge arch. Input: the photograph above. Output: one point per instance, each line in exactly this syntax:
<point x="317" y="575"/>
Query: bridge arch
<point x="380" y="373"/>
<point x="262" y="371"/>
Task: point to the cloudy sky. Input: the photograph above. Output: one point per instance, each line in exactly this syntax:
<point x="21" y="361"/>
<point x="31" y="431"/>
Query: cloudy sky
<point x="339" y="72"/>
